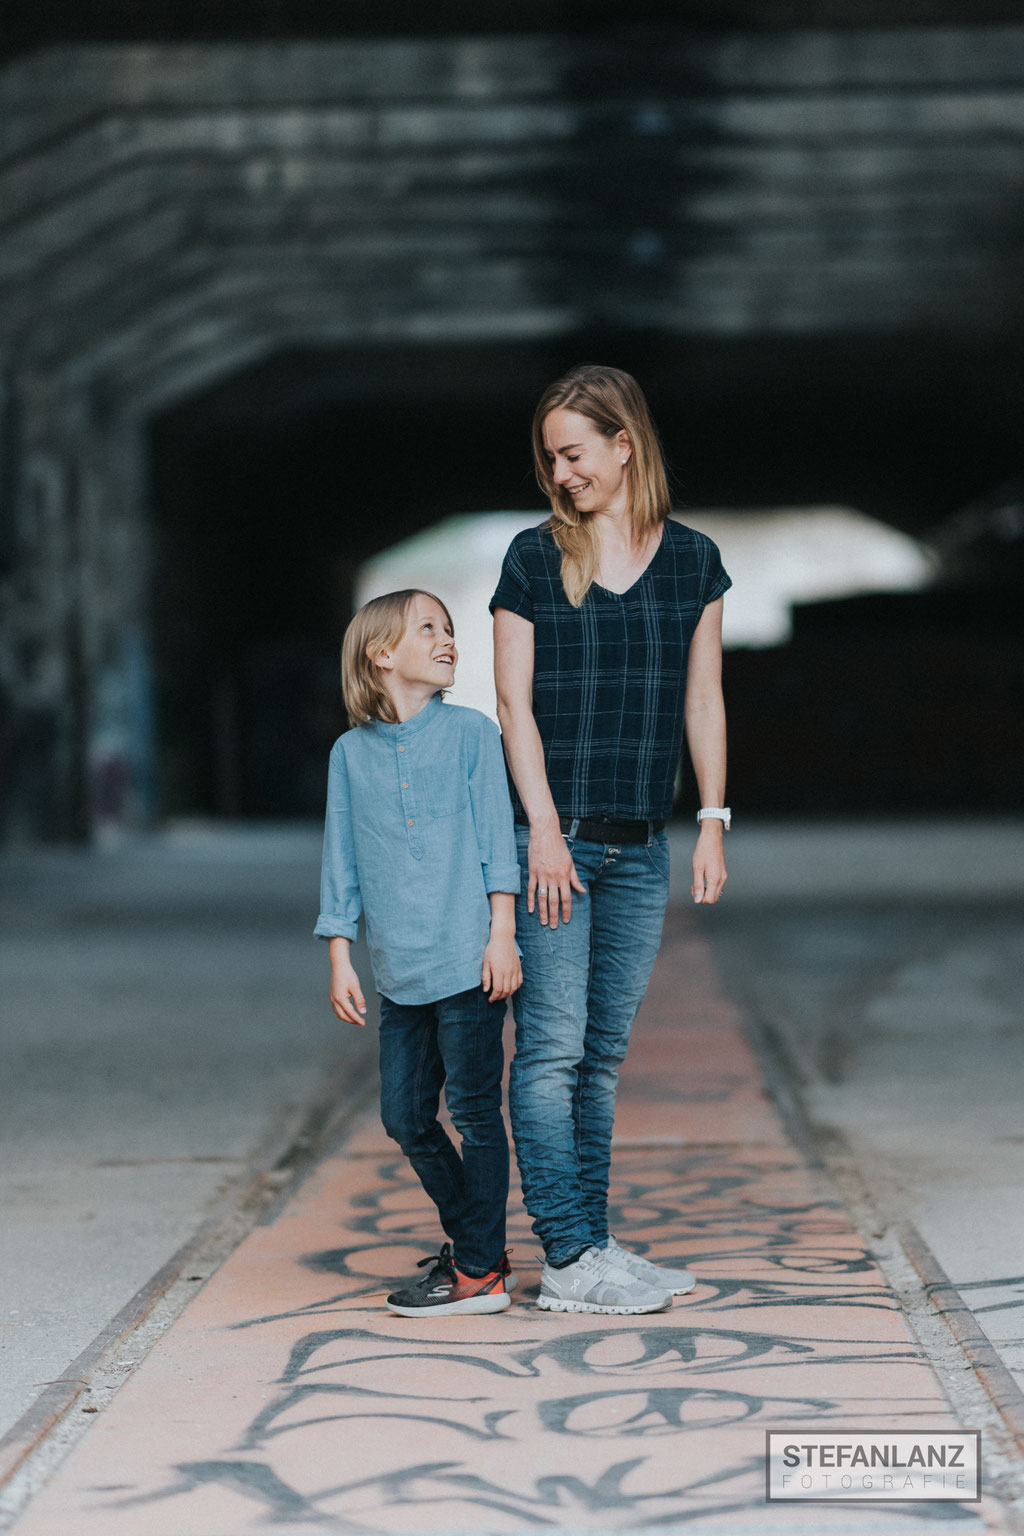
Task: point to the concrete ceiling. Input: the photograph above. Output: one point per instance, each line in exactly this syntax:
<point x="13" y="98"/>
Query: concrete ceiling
<point x="174" y="212"/>
<point x="807" y="243"/>
<point x="25" y="26"/>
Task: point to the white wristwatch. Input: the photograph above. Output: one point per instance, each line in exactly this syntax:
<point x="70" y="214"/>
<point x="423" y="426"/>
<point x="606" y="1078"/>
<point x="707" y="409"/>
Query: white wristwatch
<point x="720" y="813"/>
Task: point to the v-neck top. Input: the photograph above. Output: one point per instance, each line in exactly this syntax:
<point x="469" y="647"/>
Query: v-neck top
<point x="610" y="591"/>
<point x="609" y="677"/>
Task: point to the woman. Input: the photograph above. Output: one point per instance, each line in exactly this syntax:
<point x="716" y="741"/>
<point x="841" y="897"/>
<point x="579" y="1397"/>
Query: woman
<point x="606" y="619"/>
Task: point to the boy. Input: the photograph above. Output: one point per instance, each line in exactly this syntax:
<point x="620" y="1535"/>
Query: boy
<point x="419" y="838"/>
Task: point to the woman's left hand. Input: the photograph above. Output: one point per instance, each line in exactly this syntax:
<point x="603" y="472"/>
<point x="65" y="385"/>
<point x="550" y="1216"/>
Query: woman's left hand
<point x="709" y="874"/>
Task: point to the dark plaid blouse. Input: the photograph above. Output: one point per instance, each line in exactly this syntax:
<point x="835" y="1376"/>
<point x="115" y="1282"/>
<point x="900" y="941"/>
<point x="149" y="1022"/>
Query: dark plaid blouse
<point x="609" y="677"/>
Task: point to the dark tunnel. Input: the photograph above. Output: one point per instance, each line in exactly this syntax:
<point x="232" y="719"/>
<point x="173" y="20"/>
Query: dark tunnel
<point x="269" y="310"/>
<point x="272" y="489"/>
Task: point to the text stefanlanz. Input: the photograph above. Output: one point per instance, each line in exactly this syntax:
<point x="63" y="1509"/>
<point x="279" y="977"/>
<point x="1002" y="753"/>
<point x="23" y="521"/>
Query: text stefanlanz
<point x="840" y="1455"/>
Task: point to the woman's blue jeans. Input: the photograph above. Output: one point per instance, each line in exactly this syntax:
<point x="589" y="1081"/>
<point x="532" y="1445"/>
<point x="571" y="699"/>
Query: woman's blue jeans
<point x="583" y="983"/>
<point x="454" y="1043"/>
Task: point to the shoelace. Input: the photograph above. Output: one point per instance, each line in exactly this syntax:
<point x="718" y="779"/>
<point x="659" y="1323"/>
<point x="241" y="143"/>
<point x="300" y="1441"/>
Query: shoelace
<point x="442" y="1261"/>
<point x="602" y="1267"/>
<point x="599" y="1265"/>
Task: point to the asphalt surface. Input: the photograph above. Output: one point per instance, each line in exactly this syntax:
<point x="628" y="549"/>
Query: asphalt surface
<point x="884" y="967"/>
<point x="285" y="1395"/>
<point x="165" y="1031"/>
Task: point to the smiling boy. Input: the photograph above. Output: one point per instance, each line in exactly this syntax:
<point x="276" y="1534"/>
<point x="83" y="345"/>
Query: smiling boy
<point x="419" y="841"/>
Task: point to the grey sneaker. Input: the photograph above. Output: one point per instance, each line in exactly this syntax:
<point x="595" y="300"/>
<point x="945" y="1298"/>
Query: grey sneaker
<point x="678" y="1281"/>
<point x="592" y="1284"/>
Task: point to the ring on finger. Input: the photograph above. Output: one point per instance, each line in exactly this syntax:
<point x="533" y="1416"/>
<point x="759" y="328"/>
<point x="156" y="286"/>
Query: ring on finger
<point x="542" y="890"/>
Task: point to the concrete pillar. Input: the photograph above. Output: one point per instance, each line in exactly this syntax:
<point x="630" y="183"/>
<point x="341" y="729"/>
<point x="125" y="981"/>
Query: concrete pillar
<point x="77" y="733"/>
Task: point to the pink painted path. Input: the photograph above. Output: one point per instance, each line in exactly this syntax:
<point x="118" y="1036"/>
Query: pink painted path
<point x="286" y="1399"/>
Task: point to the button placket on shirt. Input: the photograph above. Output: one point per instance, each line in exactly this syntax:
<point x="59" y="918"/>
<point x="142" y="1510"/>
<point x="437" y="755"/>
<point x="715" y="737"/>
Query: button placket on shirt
<point x="407" y="795"/>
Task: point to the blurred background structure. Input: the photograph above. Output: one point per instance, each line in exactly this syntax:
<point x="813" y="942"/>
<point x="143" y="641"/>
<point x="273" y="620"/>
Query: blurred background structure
<point x="281" y="283"/>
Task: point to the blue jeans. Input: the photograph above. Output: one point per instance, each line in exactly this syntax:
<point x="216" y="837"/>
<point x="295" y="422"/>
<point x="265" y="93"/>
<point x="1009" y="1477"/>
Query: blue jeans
<point x="583" y="983"/>
<point x="454" y="1043"/>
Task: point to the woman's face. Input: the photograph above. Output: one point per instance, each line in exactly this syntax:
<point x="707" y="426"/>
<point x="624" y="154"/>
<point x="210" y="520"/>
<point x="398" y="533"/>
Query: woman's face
<point x="590" y="467"/>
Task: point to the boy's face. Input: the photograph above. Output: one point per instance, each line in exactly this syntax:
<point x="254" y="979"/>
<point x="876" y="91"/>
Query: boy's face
<point x="426" y="652"/>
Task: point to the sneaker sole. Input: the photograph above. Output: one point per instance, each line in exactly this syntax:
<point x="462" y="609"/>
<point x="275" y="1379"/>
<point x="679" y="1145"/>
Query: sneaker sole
<point x="676" y="1290"/>
<point x="560" y="1304"/>
<point x="470" y="1306"/>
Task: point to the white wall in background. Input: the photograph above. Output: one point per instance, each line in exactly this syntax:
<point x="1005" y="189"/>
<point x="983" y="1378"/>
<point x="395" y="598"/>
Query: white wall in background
<point x="776" y="558"/>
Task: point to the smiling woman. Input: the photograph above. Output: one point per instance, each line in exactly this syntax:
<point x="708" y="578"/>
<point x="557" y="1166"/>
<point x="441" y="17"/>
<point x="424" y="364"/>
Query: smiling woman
<point x="605" y="620"/>
<point x="608" y="462"/>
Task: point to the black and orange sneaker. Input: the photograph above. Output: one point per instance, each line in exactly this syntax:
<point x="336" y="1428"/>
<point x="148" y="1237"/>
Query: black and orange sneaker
<point x="444" y="1291"/>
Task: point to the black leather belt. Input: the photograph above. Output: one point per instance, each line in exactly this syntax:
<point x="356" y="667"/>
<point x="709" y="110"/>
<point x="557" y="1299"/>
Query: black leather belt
<point x="601" y="829"/>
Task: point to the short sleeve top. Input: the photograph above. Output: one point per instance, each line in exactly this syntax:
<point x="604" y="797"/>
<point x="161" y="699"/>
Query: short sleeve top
<point x="609" y="677"/>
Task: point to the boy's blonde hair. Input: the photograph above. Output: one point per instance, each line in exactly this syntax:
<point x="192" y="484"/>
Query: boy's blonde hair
<point x="377" y="626"/>
<point x="614" y="402"/>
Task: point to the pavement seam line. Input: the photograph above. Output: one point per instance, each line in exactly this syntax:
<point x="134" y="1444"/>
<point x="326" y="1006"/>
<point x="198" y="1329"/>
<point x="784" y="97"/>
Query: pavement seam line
<point x="1002" y="1388"/>
<point x="920" y="1285"/>
<point x="822" y="1145"/>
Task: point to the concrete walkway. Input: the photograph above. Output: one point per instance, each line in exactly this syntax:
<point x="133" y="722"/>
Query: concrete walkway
<point x="167" y="1046"/>
<point x="286" y="1398"/>
<point x="883" y="968"/>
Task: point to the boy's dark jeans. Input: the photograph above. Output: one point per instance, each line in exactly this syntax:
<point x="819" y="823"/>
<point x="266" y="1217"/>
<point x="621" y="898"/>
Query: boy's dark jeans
<point x="456" y="1043"/>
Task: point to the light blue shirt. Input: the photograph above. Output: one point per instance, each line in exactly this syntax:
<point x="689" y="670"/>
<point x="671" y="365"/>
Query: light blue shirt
<point x="419" y="832"/>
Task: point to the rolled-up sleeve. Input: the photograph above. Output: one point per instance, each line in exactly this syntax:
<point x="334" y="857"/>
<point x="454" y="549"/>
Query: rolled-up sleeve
<point x="513" y="589"/>
<point x="492" y="813"/>
<point x="714" y="579"/>
<point x="340" y="898"/>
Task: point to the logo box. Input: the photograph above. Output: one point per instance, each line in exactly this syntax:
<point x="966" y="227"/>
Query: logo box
<point x="873" y="1466"/>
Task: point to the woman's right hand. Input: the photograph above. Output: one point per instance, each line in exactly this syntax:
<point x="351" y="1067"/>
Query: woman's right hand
<point x="553" y="876"/>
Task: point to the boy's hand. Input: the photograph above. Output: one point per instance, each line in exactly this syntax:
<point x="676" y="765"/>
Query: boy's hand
<point x="502" y="973"/>
<point x="347" y="998"/>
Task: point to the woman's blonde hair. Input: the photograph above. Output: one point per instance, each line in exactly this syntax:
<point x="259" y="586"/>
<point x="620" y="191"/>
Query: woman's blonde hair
<point x="614" y="402"/>
<point x="378" y="626"/>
